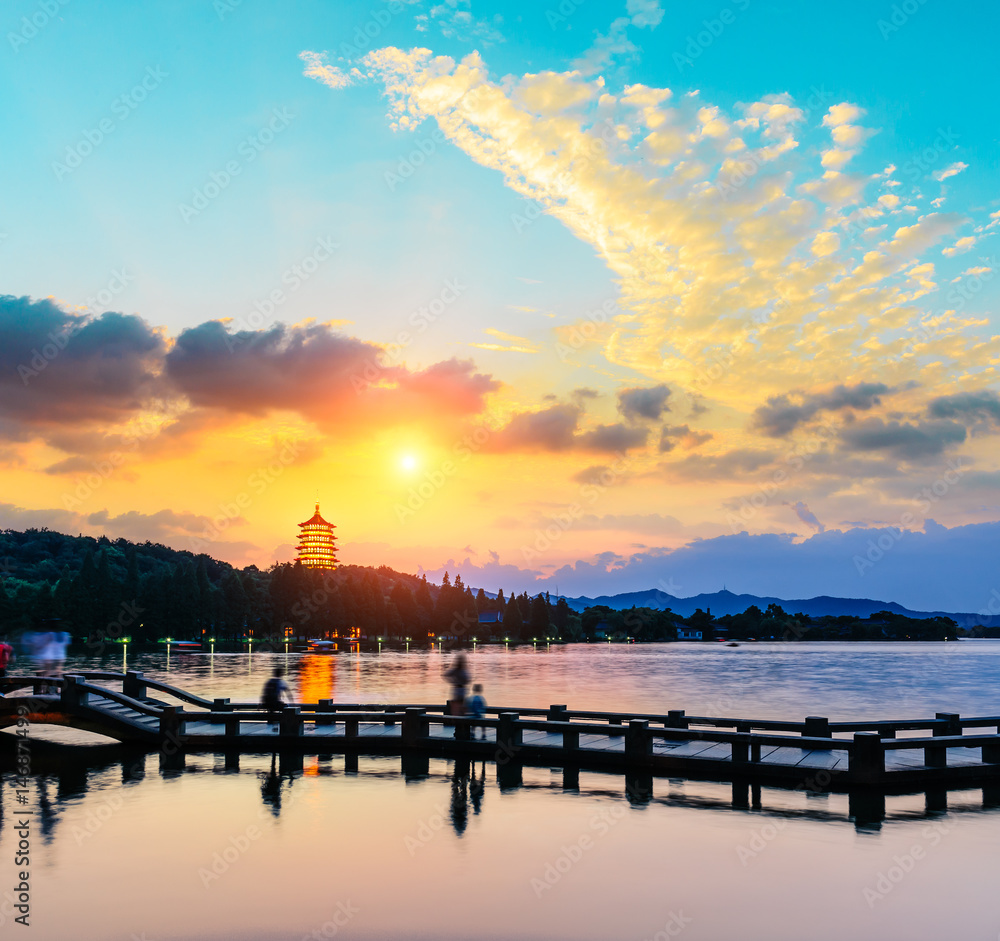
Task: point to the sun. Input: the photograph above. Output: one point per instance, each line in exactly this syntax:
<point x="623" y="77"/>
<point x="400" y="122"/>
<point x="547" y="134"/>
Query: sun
<point x="409" y="462"/>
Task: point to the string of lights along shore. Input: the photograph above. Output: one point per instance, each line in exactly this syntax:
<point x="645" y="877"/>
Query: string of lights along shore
<point x="317" y="547"/>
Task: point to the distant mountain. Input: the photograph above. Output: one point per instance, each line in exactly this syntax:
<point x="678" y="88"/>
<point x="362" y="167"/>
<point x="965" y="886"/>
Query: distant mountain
<point x="726" y="602"/>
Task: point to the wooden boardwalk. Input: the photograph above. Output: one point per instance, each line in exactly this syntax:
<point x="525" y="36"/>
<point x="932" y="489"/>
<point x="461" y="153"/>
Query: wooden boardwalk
<point x="815" y="753"/>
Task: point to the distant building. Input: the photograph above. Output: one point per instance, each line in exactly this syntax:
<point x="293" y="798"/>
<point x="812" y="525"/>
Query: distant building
<point x="688" y="633"/>
<point x="317" y="548"/>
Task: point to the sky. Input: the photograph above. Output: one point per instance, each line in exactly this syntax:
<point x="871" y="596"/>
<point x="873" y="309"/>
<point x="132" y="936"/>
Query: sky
<point x="580" y="296"/>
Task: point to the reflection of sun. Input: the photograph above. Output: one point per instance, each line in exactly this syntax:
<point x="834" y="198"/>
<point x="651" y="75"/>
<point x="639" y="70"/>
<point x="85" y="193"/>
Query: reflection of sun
<point x="409" y="462"/>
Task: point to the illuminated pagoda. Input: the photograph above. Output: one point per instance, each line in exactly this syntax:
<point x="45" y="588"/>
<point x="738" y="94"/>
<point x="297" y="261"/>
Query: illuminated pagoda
<point x="316" y="548"/>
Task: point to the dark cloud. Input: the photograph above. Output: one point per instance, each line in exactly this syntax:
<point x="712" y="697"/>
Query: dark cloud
<point x="649" y="403"/>
<point x="612" y="438"/>
<point x="784" y="413"/>
<point x="593" y="474"/>
<point x="317" y="372"/>
<point x="963" y="406"/>
<point x="903" y="440"/>
<point x="551" y="429"/>
<point x="62" y="369"/>
<point x="732" y="465"/>
<point x="807" y="516"/>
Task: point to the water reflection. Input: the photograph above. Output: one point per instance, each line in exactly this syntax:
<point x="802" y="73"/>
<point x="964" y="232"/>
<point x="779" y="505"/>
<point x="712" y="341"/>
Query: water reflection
<point x="63" y="781"/>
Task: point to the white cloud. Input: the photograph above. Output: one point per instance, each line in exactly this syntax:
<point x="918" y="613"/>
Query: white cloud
<point x="317" y="67"/>
<point x="952" y="170"/>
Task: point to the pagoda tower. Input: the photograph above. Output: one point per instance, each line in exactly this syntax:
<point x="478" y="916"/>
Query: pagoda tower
<point x="316" y="548"/>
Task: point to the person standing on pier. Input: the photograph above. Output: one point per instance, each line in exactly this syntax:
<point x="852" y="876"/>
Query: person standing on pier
<point x="458" y="676"/>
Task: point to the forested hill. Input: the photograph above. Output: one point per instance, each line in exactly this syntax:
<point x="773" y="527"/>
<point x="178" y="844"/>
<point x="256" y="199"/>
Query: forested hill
<point x="147" y="591"/>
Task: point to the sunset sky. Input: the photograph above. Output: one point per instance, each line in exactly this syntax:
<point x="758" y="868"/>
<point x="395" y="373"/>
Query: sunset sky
<point x="591" y="295"/>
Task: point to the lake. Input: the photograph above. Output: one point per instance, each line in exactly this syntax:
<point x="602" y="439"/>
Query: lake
<point x="126" y="847"/>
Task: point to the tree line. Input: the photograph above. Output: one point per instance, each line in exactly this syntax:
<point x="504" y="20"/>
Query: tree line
<point x="104" y="590"/>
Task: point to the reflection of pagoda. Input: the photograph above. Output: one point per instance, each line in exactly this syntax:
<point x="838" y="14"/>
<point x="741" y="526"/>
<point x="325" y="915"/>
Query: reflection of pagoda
<point x="316" y="543"/>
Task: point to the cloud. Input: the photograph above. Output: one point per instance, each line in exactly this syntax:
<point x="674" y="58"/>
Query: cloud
<point x="317" y="67"/>
<point x="555" y="429"/>
<point x="904" y="440"/>
<point x="644" y="13"/>
<point x="317" y="372"/>
<point x="672" y="435"/>
<point x="730" y="465"/>
<point x="807" y="516"/>
<point x="550" y="429"/>
<point x="612" y="438"/>
<point x="983" y="405"/>
<point x="644" y="403"/>
<point x="70" y="370"/>
<point x="951" y="170"/>
<point x="961" y="246"/>
<point x="784" y="413"/>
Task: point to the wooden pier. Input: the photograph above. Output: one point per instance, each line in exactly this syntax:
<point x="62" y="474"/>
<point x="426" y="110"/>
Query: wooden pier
<point x="893" y="756"/>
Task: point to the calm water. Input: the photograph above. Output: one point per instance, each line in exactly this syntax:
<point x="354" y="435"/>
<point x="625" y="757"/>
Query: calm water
<point x="125" y="847"/>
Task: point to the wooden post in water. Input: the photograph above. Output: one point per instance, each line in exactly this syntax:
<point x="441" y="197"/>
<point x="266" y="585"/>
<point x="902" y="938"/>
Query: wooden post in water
<point x="134" y="684"/>
<point x="508" y="733"/>
<point x="171" y="723"/>
<point x="414" y="726"/>
<point x="866" y="759"/>
<point x="638" y="740"/>
<point x="290" y="721"/>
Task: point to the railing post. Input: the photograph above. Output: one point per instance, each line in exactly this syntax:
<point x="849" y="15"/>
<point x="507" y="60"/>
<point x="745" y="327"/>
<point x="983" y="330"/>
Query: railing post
<point x="741" y="749"/>
<point x="232" y="725"/>
<point x="390" y="712"/>
<point x="134" y="684"/>
<point x="866" y="758"/>
<point x="557" y="714"/>
<point x="817" y="727"/>
<point x="321" y="707"/>
<point x="171" y="723"/>
<point x="414" y="726"/>
<point x="508" y="732"/>
<point x="290" y="721"/>
<point x="71" y="694"/>
<point x="952" y="724"/>
<point x="676" y="719"/>
<point x="463" y="731"/>
<point x="571" y="739"/>
<point x="221" y="705"/>
<point x="351" y="727"/>
<point x="638" y="740"/>
<point x="991" y="754"/>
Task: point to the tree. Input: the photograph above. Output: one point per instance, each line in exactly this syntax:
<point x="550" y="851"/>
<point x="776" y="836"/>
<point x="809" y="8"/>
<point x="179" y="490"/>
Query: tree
<point x="539" y="618"/>
<point x="513" y="623"/>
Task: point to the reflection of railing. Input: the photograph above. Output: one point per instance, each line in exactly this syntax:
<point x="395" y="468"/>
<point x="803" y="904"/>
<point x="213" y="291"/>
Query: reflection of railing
<point x="726" y="748"/>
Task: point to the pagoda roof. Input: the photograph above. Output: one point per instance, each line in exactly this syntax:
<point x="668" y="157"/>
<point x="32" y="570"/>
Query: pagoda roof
<point x="316" y="518"/>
